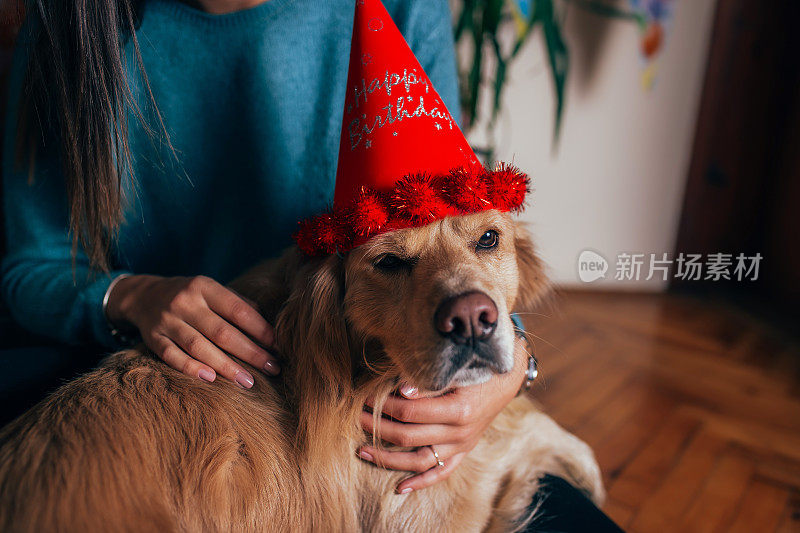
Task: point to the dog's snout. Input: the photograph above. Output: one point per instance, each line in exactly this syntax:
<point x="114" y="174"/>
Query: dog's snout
<point x="467" y="318"/>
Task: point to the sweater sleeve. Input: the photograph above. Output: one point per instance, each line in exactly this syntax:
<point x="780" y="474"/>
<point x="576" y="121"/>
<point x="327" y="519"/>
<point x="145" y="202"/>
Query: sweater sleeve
<point x="43" y="291"/>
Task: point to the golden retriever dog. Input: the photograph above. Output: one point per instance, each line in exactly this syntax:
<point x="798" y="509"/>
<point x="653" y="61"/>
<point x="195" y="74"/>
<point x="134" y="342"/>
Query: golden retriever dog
<point x="137" y="446"/>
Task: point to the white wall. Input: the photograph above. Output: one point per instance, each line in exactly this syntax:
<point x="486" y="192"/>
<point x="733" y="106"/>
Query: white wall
<point x="615" y="182"/>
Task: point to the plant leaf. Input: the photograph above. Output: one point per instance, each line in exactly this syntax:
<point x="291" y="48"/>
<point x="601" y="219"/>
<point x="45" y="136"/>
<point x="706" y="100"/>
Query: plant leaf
<point x="499" y="79"/>
<point x="559" y="64"/>
<point x="608" y="10"/>
<point x="463" y="19"/>
<point x="474" y="76"/>
<point x="492" y="15"/>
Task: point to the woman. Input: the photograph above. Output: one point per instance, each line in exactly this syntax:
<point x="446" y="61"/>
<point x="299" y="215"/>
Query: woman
<point x="164" y="147"/>
<point x="163" y="167"/>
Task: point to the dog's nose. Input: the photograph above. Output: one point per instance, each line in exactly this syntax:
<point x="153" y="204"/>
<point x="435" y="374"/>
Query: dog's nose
<point x="466" y="318"/>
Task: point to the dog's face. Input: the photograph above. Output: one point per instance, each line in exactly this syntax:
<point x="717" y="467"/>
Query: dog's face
<point x="438" y="298"/>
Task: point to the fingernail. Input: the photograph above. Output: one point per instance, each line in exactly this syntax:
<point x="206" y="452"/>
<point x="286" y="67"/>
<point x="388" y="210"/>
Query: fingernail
<point x="366" y="456"/>
<point x="244" y="379"/>
<point x="206" y="375"/>
<point x="405" y="490"/>
<point x="408" y="390"/>
<point x="271" y="367"/>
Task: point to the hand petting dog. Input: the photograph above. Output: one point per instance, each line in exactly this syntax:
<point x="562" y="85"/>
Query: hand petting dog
<point x="193" y="323"/>
<point x="451" y="424"/>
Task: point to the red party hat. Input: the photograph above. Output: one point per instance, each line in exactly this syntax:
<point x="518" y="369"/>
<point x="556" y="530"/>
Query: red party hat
<point x="403" y="161"/>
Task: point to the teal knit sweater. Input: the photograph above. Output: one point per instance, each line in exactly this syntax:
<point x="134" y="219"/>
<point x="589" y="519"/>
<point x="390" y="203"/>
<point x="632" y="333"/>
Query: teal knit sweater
<point x="252" y="101"/>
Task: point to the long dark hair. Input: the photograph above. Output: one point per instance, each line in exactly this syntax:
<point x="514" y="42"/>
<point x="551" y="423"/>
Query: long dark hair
<point x="76" y="87"/>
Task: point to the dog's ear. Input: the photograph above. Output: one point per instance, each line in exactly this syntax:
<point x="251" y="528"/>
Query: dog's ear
<point x="311" y="329"/>
<point x="533" y="284"/>
<point x="313" y="337"/>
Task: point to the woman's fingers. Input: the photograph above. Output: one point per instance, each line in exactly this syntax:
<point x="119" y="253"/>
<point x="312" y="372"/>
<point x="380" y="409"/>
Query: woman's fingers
<point x="238" y="312"/>
<point x="419" y="460"/>
<point x="409" y="434"/>
<point x="169" y="352"/>
<point x="233" y="341"/>
<point x="447" y="409"/>
<point x="430" y="477"/>
<point x="194" y="344"/>
<point x="452" y="422"/>
<point x="194" y="323"/>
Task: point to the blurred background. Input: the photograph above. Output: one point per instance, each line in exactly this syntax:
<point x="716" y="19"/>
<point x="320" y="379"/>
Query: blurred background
<point x="662" y="140"/>
<point x="662" y="137"/>
<point x="648" y="126"/>
<point x="612" y="178"/>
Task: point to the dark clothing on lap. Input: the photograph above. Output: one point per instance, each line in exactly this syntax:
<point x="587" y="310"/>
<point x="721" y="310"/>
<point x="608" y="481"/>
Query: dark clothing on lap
<point x="564" y="509"/>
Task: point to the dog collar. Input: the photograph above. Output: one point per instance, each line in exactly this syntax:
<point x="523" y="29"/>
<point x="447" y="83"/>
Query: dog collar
<point x="533" y="366"/>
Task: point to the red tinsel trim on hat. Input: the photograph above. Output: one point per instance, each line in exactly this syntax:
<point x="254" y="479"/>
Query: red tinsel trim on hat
<point x="467" y="189"/>
<point x="326" y="233"/>
<point x="368" y="214"/>
<point x="507" y="187"/>
<point x="416" y="200"/>
<point x="419" y="200"/>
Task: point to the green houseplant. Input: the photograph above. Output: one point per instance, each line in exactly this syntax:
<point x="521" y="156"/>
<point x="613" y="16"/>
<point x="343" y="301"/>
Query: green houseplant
<point x="477" y="28"/>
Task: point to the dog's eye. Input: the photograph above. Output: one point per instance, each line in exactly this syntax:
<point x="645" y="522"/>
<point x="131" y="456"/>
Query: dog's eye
<point x="488" y="240"/>
<point x="390" y="263"/>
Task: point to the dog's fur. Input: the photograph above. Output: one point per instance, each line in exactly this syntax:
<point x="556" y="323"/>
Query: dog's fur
<point x="137" y="446"/>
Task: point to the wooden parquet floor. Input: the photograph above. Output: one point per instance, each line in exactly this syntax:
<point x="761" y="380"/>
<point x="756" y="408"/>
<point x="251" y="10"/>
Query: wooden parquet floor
<point x="692" y="408"/>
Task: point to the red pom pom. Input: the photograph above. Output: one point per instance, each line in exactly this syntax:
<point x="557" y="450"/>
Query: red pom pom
<point x="368" y="214"/>
<point x="304" y="237"/>
<point x="323" y="234"/>
<point x="466" y="189"/>
<point x="507" y="187"/>
<point x="418" y="199"/>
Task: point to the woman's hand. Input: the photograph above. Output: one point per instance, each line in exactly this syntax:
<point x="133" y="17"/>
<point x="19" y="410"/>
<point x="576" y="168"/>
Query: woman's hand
<point x="193" y="323"/>
<point x="452" y="424"/>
